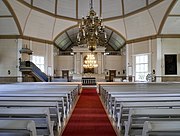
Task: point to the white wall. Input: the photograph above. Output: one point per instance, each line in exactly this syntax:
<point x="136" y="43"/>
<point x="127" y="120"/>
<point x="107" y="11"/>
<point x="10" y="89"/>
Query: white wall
<point x="8" y="57"/>
<point x="63" y="63"/>
<point x="171" y="46"/>
<point x="145" y="47"/>
<point x="113" y="62"/>
<point x="45" y="50"/>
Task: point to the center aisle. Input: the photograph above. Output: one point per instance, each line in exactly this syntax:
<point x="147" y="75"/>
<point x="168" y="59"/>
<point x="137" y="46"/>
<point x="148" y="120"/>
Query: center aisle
<point x="89" y="117"/>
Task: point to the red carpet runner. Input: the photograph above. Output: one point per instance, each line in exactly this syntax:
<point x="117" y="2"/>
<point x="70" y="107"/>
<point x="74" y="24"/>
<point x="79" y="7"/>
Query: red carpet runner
<point x="89" y="117"/>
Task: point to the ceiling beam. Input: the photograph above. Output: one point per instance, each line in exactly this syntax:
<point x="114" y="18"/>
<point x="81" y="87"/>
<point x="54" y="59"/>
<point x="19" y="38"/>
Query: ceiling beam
<point x="166" y="16"/>
<point x="14" y="16"/>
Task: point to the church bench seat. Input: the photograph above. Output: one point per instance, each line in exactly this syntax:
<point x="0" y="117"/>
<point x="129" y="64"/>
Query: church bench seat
<point x="59" y="100"/>
<point x="17" y="128"/>
<point x="55" y="113"/>
<point x="112" y="104"/>
<point x="137" y="117"/>
<point x="40" y="116"/>
<point x="159" y="128"/>
<point x="122" y="111"/>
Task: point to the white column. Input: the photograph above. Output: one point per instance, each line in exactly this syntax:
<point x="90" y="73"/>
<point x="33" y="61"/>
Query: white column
<point x="159" y="60"/>
<point x="99" y="60"/>
<point x="19" y="57"/>
<point x="75" y="61"/>
<point x="46" y="59"/>
<point x="78" y="63"/>
<point x="81" y="60"/>
<point x="102" y="63"/>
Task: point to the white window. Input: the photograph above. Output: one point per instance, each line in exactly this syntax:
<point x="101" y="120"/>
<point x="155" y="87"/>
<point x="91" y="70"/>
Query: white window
<point x="39" y="62"/>
<point x="141" y="67"/>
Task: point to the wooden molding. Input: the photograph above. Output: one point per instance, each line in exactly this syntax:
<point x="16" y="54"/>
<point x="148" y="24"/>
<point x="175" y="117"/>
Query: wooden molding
<point x="166" y="16"/>
<point x="14" y="16"/>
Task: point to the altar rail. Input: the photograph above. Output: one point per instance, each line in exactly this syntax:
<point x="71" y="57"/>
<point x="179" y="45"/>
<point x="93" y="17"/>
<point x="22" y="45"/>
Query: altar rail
<point x="88" y="81"/>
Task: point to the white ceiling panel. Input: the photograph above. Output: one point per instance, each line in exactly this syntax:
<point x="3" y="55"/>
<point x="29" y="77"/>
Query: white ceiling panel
<point x="117" y="25"/>
<point x="157" y="12"/>
<point x="176" y="9"/>
<point x="84" y="7"/>
<point x="133" y="5"/>
<point x="3" y="9"/>
<point x="66" y="8"/>
<point x="48" y="5"/>
<point x="21" y="11"/>
<point x="61" y="25"/>
<point x="39" y="25"/>
<point x="111" y="8"/>
<point x="139" y="25"/>
<point x="8" y="27"/>
<point x="28" y="1"/>
<point x="172" y="26"/>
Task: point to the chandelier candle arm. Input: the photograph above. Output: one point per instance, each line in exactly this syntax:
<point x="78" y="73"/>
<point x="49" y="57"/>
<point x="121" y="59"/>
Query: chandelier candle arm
<point x="91" y="30"/>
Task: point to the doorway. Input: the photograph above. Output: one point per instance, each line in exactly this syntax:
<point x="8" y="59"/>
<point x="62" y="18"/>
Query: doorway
<point x="65" y="74"/>
<point x="112" y="75"/>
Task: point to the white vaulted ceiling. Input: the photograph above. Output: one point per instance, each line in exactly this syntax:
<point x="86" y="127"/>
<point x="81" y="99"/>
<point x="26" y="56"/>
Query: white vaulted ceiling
<point x="49" y="19"/>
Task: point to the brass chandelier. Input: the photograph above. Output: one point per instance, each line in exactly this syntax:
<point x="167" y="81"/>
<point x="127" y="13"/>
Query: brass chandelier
<point x="90" y="62"/>
<point x="91" y="30"/>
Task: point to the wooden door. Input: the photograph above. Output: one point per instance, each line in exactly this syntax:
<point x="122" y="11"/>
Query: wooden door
<point x="112" y="74"/>
<point x="65" y="74"/>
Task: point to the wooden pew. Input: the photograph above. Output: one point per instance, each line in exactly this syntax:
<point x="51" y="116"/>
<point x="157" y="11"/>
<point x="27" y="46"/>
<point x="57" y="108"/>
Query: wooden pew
<point x="57" y="99"/>
<point x="123" y="111"/>
<point x="161" y="128"/>
<point x="40" y="116"/>
<point x="17" y="128"/>
<point x="63" y="97"/>
<point x="55" y="113"/>
<point x="135" y="95"/>
<point x="137" y="117"/>
<point x="71" y="92"/>
<point x="110" y="101"/>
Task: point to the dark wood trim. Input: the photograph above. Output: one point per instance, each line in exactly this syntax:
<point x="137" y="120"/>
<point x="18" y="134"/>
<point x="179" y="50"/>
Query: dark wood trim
<point x="75" y="19"/>
<point x="56" y="3"/>
<point x="76" y="9"/>
<point x="126" y="42"/>
<point x="110" y="37"/>
<point x="147" y="2"/>
<point x="169" y="36"/>
<point x="47" y="12"/>
<point x="68" y="36"/>
<point x="116" y="32"/>
<point x="141" y="39"/>
<point x="53" y="28"/>
<point x="64" y="32"/>
<point x="166" y="16"/>
<point x="26" y="38"/>
<point x="100" y="8"/>
<point x="14" y="16"/>
<point x="122" y="2"/>
<point x="26" y="20"/>
<point x="153" y="21"/>
<point x="6" y="16"/>
<point x="174" y="15"/>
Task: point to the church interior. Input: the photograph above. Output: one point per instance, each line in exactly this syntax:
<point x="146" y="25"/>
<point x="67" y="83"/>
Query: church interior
<point x="89" y="67"/>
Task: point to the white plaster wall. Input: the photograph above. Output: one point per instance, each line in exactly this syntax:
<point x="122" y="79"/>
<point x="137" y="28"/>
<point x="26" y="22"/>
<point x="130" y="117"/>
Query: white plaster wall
<point x="113" y="62"/>
<point x="145" y="47"/>
<point x="45" y="50"/>
<point x="63" y="63"/>
<point x="8" y="57"/>
<point x="171" y="46"/>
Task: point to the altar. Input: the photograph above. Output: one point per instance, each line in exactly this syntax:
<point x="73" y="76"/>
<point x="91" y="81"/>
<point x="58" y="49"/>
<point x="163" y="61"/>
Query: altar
<point x="81" y="52"/>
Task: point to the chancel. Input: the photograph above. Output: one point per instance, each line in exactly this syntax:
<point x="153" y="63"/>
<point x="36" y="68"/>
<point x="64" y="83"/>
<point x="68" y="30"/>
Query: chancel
<point x="89" y="67"/>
